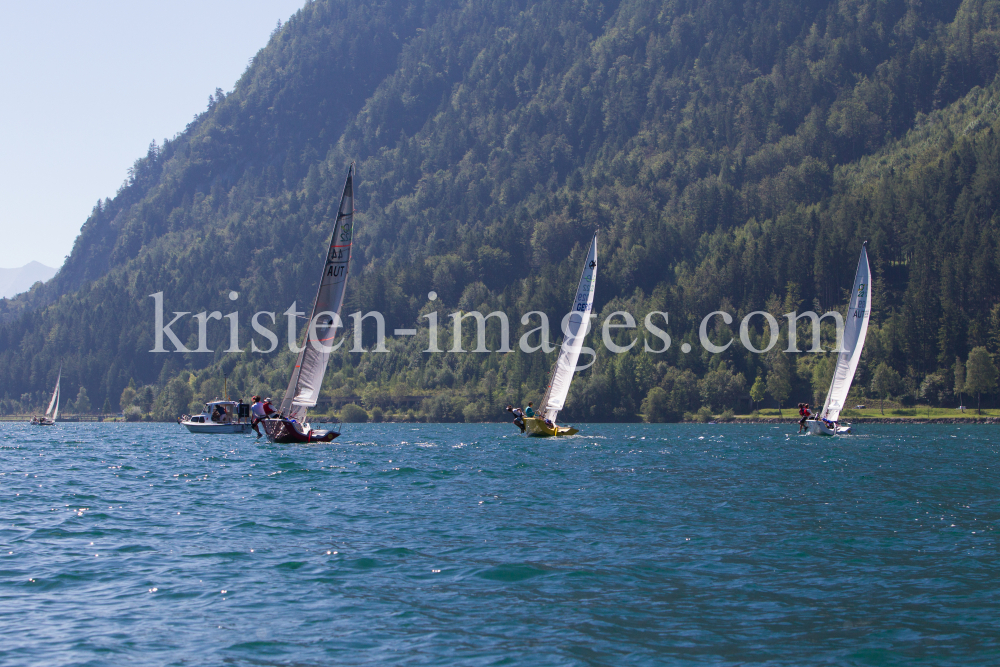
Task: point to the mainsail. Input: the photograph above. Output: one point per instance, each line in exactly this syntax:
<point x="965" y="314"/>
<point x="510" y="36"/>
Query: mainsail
<point x="54" y="402"/>
<point x="576" y="330"/>
<point x="324" y="322"/>
<point x="854" y="339"/>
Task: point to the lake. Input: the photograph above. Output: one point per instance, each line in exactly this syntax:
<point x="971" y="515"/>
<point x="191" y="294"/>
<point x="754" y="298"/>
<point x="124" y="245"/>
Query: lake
<point x="441" y="544"/>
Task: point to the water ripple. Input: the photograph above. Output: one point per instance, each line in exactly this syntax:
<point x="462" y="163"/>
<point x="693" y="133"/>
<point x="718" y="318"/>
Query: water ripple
<point x="444" y="544"/>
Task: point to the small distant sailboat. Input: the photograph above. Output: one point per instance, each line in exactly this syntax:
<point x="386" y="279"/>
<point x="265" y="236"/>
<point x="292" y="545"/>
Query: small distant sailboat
<point x="53" y="410"/>
<point x="310" y="366"/>
<point x="855" y="331"/>
<point x="569" y="353"/>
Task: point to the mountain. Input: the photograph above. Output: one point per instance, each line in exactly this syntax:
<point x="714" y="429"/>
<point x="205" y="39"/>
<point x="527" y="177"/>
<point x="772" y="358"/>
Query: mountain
<point x="734" y="156"/>
<point x="15" y="281"/>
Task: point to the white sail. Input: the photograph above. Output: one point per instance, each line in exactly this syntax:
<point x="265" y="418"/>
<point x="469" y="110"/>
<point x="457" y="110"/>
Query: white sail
<point x="55" y="413"/>
<point x="54" y="401"/>
<point x="855" y="330"/>
<point x="576" y="330"/>
<point x="324" y="322"/>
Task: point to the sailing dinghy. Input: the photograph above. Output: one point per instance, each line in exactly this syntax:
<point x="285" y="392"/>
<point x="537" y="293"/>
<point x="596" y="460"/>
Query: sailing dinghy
<point x="53" y="410"/>
<point x="323" y="326"/>
<point x="569" y="353"/>
<point x="847" y="361"/>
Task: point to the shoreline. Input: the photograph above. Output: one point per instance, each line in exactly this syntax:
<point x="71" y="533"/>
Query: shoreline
<point x="984" y="420"/>
<point x="870" y="420"/>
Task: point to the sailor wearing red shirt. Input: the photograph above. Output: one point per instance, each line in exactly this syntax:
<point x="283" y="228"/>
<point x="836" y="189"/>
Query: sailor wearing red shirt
<point x="805" y="414"/>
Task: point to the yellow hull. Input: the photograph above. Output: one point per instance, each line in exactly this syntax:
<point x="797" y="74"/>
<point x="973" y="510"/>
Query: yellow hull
<point x="537" y="428"/>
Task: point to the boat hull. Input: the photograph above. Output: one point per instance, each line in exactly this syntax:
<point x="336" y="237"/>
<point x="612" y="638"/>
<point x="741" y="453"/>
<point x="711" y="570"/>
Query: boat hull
<point x="285" y="432"/>
<point x="214" y="427"/>
<point x="44" y="422"/>
<point x="537" y="428"/>
<point x="816" y="427"/>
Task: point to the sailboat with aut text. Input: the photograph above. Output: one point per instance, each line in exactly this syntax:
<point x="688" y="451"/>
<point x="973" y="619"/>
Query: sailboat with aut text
<point x="855" y="329"/>
<point x="562" y="373"/>
<point x="323" y="325"/>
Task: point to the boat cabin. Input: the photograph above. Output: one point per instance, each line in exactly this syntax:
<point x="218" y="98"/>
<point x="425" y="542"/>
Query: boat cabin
<point x="220" y="417"/>
<point x="223" y="412"/>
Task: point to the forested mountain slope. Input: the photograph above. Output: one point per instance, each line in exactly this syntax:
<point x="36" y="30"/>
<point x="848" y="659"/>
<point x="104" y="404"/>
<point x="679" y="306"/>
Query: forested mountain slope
<point x="734" y="156"/>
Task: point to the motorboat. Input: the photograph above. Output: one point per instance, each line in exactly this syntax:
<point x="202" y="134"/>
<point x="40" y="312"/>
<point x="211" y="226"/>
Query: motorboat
<point x="220" y="417"/>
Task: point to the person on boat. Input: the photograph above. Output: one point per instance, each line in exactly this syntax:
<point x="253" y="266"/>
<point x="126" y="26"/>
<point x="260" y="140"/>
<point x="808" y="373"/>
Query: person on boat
<point x="256" y="414"/>
<point x="804" y="414"/>
<point x="518" y="417"/>
<point x="529" y="411"/>
<point x="269" y="411"/>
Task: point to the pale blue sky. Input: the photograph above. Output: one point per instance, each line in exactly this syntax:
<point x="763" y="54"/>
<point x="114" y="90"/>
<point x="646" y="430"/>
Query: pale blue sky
<point x="87" y="85"/>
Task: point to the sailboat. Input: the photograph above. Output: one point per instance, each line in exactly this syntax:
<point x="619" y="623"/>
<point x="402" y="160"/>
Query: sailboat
<point x="290" y="425"/>
<point x="53" y="410"/>
<point x="847" y="361"/>
<point x="569" y="353"/>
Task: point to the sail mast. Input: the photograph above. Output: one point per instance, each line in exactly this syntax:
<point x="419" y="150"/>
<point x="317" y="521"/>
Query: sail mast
<point x="855" y="330"/>
<point x="54" y="401"/>
<point x="569" y="353"/>
<point x="310" y="364"/>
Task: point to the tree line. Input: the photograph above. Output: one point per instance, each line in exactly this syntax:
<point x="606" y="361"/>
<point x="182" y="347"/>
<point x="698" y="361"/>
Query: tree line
<point x="733" y="155"/>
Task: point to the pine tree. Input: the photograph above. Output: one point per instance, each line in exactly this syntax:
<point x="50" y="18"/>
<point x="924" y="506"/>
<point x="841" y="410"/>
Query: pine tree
<point x="981" y="375"/>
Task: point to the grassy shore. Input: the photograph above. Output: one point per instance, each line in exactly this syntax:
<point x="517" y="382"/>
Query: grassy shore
<point x="918" y="413"/>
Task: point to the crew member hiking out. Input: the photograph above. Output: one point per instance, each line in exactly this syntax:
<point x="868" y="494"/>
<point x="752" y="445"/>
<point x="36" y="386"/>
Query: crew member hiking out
<point x="518" y="417"/>
<point x="256" y="414"/>
<point x="804" y="414"/>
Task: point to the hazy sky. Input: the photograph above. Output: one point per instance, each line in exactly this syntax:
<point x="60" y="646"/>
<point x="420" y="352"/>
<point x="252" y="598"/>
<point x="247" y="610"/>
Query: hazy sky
<point x="87" y="85"/>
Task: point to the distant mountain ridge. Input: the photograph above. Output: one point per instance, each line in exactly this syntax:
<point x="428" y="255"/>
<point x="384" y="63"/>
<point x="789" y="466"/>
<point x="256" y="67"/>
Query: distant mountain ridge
<point x="15" y="281"/>
<point x="734" y="155"/>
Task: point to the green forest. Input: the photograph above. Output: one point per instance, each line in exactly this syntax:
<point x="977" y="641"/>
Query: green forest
<point x="733" y="155"/>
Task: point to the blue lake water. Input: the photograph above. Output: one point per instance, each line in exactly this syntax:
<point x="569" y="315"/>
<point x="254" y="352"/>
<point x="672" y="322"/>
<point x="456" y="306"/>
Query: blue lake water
<point x="136" y="544"/>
